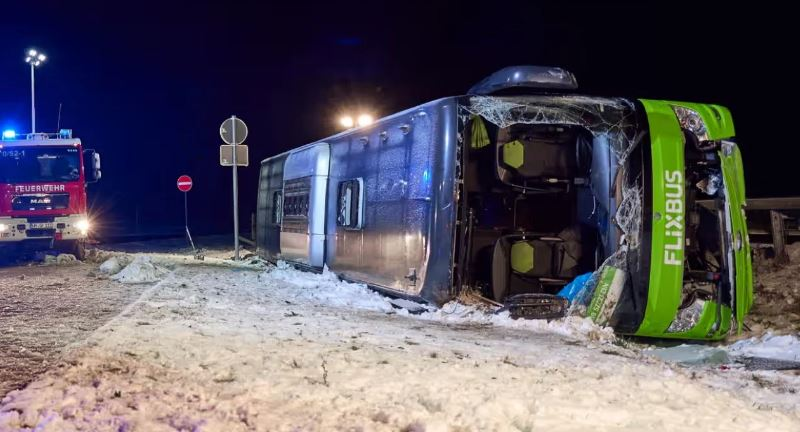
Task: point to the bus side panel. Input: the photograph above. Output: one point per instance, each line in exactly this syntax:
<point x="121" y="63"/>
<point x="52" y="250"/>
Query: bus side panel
<point x="269" y="208"/>
<point x="393" y="160"/>
<point x="438" y="283"/>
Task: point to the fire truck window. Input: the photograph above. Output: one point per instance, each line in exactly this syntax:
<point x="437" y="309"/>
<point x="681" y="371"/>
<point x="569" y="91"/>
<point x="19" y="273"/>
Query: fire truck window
<point x="350" y="204"/>
<point x="39" y="165"/>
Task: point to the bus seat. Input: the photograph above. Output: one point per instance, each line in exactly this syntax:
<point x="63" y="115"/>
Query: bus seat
<point x="542" y="260"/>
<point x="540" y="160"/>
<point x="532" y="258"/>
<point x="542" y="156"/>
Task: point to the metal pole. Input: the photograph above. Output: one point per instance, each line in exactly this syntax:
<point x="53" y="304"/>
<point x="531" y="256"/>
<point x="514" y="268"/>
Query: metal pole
<point x="33" y="102"/>
<point x="186" y="219"/>
<point x="235" y="195"/>
<point x="778" y="237"/>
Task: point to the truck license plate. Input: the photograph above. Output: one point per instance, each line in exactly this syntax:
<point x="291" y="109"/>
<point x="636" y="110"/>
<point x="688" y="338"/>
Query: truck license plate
<point x="41" y="225"/>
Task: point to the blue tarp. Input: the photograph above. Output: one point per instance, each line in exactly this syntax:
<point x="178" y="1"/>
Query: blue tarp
<point x="572" y="289"/>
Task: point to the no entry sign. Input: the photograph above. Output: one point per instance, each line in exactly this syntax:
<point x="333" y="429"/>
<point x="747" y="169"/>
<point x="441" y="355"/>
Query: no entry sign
<point x="184" y="183"/>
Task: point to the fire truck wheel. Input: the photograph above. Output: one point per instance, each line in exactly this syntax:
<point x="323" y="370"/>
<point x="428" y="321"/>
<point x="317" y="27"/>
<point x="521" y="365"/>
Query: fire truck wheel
<point x="75" y="247"/>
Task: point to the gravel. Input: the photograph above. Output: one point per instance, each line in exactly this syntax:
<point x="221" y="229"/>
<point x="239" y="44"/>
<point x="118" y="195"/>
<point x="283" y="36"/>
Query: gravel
<point x="45" y="309"/>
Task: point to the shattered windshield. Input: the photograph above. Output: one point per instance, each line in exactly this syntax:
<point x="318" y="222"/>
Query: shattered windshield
<point x="39" y="164"/>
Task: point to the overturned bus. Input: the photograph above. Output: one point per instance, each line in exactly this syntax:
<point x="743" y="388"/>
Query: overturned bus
<point x="519" y="189"/>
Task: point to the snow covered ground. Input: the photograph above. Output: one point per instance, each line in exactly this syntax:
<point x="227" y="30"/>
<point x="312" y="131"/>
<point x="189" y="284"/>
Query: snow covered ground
<point x="216" y="348"/>
<point x="784" y="347"/>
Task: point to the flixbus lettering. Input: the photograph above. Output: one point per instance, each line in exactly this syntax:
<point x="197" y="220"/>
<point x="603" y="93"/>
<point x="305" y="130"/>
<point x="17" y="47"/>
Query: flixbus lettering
<point x="673" y="243"/>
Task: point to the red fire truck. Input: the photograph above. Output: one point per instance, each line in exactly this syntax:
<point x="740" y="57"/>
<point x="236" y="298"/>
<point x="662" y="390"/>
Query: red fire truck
<point x="43" y="180"/>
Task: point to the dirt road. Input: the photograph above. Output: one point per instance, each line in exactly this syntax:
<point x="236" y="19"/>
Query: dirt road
<point x="44" y="309"/>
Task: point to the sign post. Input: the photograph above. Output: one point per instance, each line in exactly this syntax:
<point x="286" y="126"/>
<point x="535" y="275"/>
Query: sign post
<point x="185" y="185"/>
<point x="233" y="132"/>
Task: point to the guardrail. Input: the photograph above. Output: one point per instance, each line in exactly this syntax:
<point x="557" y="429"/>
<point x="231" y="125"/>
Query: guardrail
<point x="771" y="222"/>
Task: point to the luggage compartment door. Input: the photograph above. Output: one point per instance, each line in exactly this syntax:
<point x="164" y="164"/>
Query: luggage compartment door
<point x="304" y="198"/>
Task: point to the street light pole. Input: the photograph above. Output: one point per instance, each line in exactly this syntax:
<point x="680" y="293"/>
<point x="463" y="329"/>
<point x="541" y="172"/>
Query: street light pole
<point x="34" y="59"/>
<point x="33" y="102"/>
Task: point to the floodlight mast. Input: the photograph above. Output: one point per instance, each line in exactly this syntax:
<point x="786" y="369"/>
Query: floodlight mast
<point x="34" y="59"/>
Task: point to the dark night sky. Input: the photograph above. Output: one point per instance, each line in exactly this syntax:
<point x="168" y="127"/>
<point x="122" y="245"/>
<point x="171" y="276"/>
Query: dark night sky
<point x="147" y="84"/>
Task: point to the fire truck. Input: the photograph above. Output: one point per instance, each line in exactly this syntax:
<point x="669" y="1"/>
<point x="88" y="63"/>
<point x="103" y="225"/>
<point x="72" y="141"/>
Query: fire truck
<point x="43" y="205"/>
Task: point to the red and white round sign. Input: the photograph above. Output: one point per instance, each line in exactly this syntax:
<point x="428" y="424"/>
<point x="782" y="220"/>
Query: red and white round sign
<point x="184" y="183"/>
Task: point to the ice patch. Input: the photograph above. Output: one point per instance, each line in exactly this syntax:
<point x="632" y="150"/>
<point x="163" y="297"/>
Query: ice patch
<point x="690" y="355"/>
<point x="768" y="347"/>
<point x="141" y="270"/>
<point x="786" y="347"/>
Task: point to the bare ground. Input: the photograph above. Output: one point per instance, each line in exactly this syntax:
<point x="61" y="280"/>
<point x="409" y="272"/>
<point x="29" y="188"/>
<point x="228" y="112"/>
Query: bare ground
<point x="776" y="303"/>
<point x="44" y="309"/>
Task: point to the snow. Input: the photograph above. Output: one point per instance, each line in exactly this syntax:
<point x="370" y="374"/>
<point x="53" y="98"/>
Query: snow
<point x="327" y="289"/>
<point x="224" y="348"/>
<point x="60" y="259"/>
<point x="141" y="270"/>
<point x="149" y="268"/>
<point x="572" y="326"/>
<point x="724" y="368"/>
<point x="111" y="266"/>
<point x="785" y="347"/>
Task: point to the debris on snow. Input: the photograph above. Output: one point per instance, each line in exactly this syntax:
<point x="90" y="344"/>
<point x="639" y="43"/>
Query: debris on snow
<point x="326" y="288"/>
<point x="410" y="306"/>
<point x="572" y="326"/>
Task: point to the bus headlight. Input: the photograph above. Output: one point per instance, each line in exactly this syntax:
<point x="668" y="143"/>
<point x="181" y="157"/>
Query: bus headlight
<point x="3" y="227"/>
<point x="691" y="121"/>
<point x="83" y="225"/>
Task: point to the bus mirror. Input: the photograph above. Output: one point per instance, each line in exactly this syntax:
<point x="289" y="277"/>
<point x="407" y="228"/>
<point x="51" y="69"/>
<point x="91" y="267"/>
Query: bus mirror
<point x="91" y="166"/>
